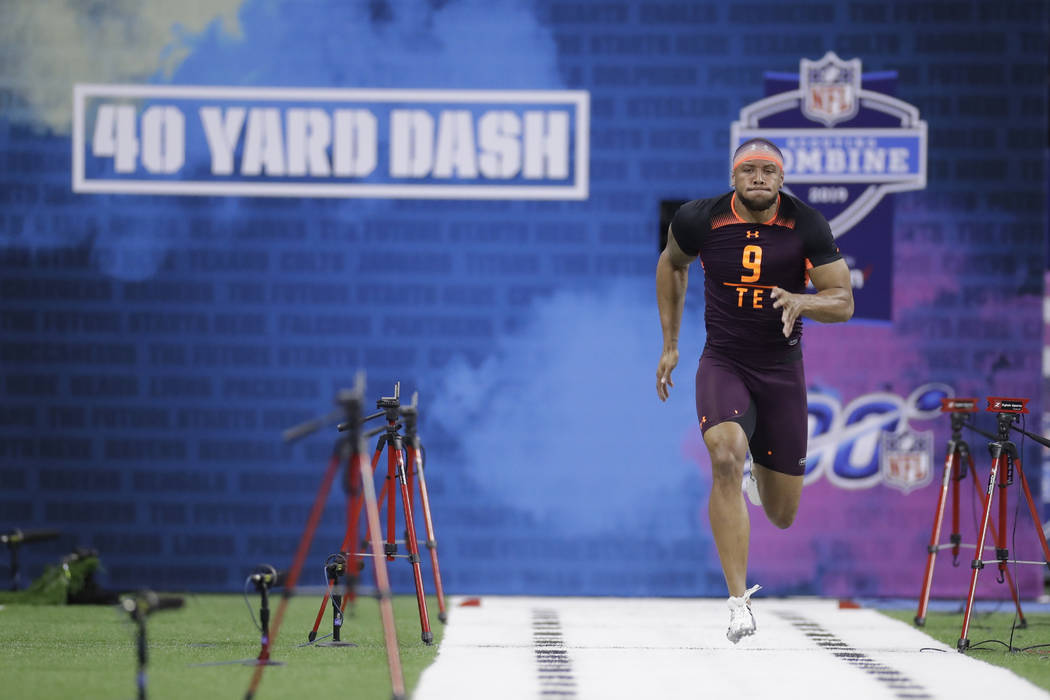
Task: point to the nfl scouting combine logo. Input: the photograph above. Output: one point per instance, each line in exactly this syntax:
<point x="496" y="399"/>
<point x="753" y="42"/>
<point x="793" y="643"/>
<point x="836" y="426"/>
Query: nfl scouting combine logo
<point x="847" y="143"/>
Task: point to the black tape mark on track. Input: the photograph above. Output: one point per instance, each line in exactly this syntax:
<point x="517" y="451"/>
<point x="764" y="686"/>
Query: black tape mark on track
<point x="553" y="665"/>
<point x="901" y="686"/>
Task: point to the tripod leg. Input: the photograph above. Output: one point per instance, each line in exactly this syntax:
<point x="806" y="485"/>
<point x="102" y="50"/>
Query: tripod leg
<point x="416" y="457"/>
<point x="976" y="487"/>
<point x="1008" y="578"/>
<point x="1001" y="551"/>
<point x="337" y="617"/>
<point x="16" y="575"/>
<point x="410" y="474"/>
<point x="999" y="536"/>
<point x="1021" y="621"/>
<point x="1005" y="571"/>
<point x="1034" y="513"/>
<point x="378" y="452"/>
<point x="264" y="623"/>
<point x="393" y="456"/>
<point x="350" y="544"/>
<point x="375" y="465"/>
<point x="956" y="537"/>
<point x="297" y="563"/>
<point x="386" y="608"/>
<point x="143" y="655"/>
<point x="353" y="507"/>
<point x="931" y="551"/>
<point x="320" y="613"/>
<point x="977" y="562"/>
<point x="413" y="551"/>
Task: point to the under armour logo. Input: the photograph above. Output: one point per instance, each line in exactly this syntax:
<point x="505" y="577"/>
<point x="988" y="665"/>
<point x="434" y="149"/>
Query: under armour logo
<point x="752" y="234"/>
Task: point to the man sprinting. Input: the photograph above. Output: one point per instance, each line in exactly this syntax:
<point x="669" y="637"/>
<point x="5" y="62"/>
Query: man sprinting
<point x="758" y="246"/>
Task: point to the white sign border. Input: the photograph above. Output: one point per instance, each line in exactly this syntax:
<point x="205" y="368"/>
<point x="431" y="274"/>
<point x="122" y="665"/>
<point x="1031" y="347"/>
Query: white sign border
<point x="578" y="190"/>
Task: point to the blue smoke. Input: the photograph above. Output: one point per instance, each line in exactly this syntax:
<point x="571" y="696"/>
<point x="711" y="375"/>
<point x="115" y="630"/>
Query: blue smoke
<point x="564" y="422"/>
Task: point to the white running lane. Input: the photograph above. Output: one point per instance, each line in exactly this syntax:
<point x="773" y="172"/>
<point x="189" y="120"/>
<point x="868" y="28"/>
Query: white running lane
<point x="514" y="648"/>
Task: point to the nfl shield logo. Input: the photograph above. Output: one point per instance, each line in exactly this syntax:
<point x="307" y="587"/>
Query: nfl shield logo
<point x="830" y="88"/>
<point x="905" y="459"/>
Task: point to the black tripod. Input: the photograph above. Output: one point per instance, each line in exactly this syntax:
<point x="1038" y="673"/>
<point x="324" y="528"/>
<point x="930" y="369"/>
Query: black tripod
<point x="335" y="568"/>
<point x="264" y="578"/>
<point x="14" y="540"/>
<point x="140" y="607"/>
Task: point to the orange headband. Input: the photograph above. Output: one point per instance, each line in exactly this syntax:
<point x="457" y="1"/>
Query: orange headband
<point x="758" y="152"/>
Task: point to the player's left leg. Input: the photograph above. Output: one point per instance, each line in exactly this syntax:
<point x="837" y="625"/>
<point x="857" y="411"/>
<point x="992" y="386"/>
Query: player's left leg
<point x="780" y="494"/>
<point x="778" y="444"/>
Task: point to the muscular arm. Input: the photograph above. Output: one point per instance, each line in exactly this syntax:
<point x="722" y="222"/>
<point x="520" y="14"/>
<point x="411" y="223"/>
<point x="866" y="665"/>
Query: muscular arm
<point x="672" y="278"/>
<point x="833" y="302"/>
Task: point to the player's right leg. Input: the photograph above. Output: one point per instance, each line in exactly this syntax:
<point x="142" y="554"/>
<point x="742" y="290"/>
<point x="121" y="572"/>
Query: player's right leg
<point x="727" y="445"/>
<point x="722" y="402"/>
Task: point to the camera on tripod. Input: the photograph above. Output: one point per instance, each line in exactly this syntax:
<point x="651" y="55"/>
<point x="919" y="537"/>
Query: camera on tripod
<point x="389" y="402"/>
<point x="958" y="405"/>
<point x="999" y="404"/>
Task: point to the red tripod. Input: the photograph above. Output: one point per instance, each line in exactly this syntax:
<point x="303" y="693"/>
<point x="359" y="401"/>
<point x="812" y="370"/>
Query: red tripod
<point x="398" y="479"/>
<point x="353" y="447"/>
<point x="1004" y="459"/>
<point x="415" y="456"/>
<point x="955" y="470"/>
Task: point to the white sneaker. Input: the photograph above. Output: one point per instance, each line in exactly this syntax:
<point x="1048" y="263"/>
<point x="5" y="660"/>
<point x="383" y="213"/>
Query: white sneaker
<point x="741" y="621"/>
<point x="750" y="487"/>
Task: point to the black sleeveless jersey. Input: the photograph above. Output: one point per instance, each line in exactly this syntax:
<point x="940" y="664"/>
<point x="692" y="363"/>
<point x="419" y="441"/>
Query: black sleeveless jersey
<point x="742" y="263"/>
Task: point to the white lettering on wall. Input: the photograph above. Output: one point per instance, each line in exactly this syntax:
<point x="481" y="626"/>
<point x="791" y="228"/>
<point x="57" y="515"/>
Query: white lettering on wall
<point x="163" y="139"/>
<point x="355" y="144"/>
<point x="411" y="143"/>
<point x="222" y="133"/>
<point x="263" y="142"/>
<point x="115" y="136"/>
<point x="546" y="144"/>
<point x="499" y="134"/>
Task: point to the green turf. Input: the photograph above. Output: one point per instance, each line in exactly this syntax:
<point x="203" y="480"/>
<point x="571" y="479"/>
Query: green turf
<point x="989" y="635"/>
<point x="88" y="652"/>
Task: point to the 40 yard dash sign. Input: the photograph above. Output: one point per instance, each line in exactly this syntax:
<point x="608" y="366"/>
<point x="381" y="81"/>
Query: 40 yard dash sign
<point x="293" y="142"/>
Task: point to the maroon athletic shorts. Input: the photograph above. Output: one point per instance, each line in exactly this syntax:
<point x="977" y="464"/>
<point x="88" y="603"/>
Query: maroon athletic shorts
<point x="767" y="398"/>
